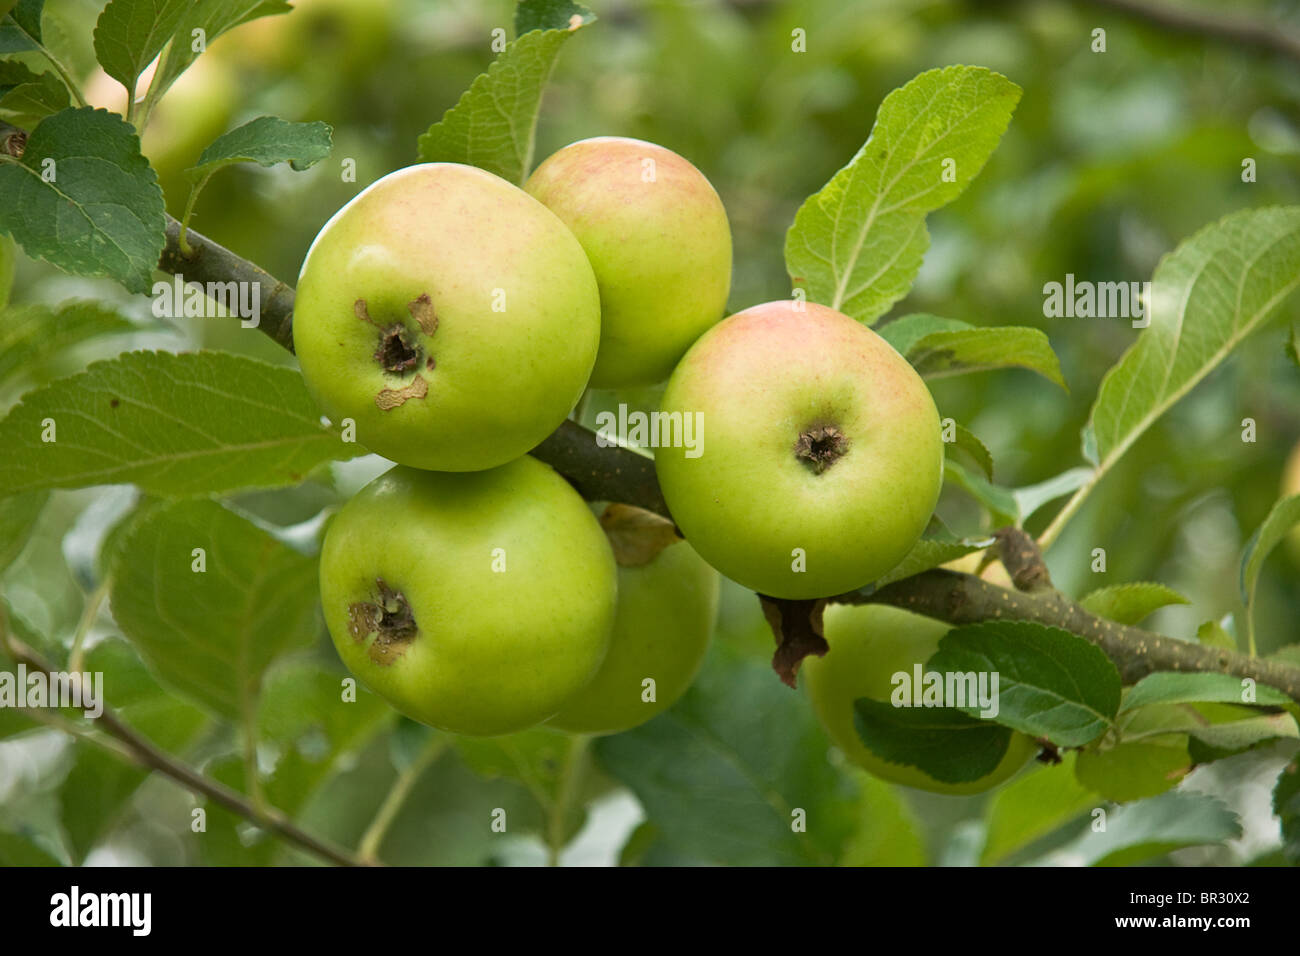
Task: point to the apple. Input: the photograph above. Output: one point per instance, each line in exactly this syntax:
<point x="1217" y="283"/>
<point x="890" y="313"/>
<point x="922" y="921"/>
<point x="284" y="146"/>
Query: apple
<point x="1291" y="486"/>
<point x="868" y="645"/>
<point x="450" y="315"/>
<point x="477" y="602"/>
<point x="657" y="237"/>
<point x="667" y="605"/>
<point x="819" y="456"/>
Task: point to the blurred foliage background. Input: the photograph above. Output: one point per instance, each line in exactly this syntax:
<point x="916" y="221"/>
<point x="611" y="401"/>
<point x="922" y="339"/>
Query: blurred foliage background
<point x="1110" y="160"/>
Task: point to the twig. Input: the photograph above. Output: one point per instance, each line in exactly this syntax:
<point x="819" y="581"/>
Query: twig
<point x="1258" y="33"/>
<point x="559" y="810"/>
<point x="965" y="599"/>
<point x="209" y="261"/>
<point x="368" y="848"/>
<point x="89" y="614"/>
<point x="1023" y="560"/>
<point x="148" y="756"/>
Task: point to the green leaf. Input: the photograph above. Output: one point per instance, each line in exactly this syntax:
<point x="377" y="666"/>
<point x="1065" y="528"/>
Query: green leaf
<point x="930" y="553"/>
<point x="6" y="270"/>
<point x="1172" y="687"/>
<point x="956" y="348"/>
<point x="942" y="741"/>
<point x="722" y="782"/>
<point x="1234" y="728"/>
<point x="1032" y="806"/>
<point x="17" y="850"/>
<point x="1137" y="769"/>
<point x="1014" y="506"/>
<point x="888" y="832"/>
<point x="964" y="440"/>
<point x="211" y="634"/>
<point x="1032" y="497"/>
<point x="998" y="501"/>
<point x="98" y="786"/>
<point x="190" y="424"/>
<point x="1214" y="634"/>
<point x="539" y="759"/>
<point x="84" y="199"/>
<point x="27" y="97"/>
<point x="205" y="21"/>
<point x="533" y="757"/>
<point x="1293" y="348"/>
<point x="494" y="124"/>
<point x="32" y="335"/>
<point x="904" y="332"/>
<point x="1286" y="804"/>
<point x="18" y="516"/>
<point x="20" y="26"/>
<point x="1151" y="828"/>
<point x="858" y="243"/>
<point x="125" y="673"/>
<point x="550" y="15"/>
<point x="1284" y="516"/>
<point x="1209" y="294"/>
<point x="130" y="33"/>
<point x="304" y="716"/>
<point x="446" y="820"/>
<point x="1130" y="603"/>
<point x="267" y="140"/>
<point x="1050" y="683"/>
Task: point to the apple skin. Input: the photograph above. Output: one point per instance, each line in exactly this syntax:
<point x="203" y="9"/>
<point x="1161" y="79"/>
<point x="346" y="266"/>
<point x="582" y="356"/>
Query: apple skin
<point x="666" y="612"/>
<point x="766" y="379"/>
<point x="868" y="645"/>
<point x="491" y="652"/>
<point x="484" y="387"/>
<point x="661" y="250"/>
<point x="1291" y="486"/>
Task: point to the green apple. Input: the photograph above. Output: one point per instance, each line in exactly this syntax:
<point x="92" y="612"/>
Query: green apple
<point x="657" y="237"/>
<point x="817" y="457"/>
<point x="667" y="604"/>
<point x="477" y="603"/>
<point x="450" y="315"/>
<point x="869" y="644"/>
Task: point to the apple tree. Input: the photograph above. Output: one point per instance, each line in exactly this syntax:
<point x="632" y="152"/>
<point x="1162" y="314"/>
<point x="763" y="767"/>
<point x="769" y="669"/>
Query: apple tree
<point x="736" y="479"/>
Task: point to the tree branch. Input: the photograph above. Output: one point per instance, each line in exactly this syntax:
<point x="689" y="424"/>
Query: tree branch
<point x="965" y="599"/>
<point x="211" y="262"/>
<point x="622" y="475"/>
<point x="1268" y="35"/>
<point x="147" y="755"/>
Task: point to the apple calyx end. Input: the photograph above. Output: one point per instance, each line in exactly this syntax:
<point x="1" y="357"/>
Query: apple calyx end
<point x="389" y="619"/>
<point x="820" y="446"/>
<point x="399" y="351"/>
<point x="396" y="354"/>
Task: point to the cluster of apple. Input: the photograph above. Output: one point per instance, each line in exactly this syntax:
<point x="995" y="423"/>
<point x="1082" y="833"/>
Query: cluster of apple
<point x="456" y="319"/>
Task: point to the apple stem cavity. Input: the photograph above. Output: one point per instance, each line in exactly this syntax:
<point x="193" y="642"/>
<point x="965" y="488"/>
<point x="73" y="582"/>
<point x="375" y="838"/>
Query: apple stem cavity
<point x="389" y="619"/>
<point x="821" y="446"/>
